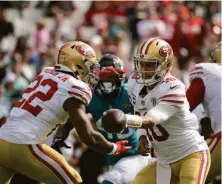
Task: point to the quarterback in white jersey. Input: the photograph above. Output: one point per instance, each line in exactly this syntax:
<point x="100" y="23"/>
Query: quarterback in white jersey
<point x="57" y="93"/>
<point x="160" y="101"/>
<point x="205" y="88"/>
<point x="174" y="133"/>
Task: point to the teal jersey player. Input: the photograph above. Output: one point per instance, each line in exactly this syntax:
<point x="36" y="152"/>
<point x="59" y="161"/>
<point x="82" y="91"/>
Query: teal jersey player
<point x="99" y="105"/>
<point x="110" y="93"/>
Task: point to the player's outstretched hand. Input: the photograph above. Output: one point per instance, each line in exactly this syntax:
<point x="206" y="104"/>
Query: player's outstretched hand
<point x="144" y="147"/>
<point x="121" y="147"/>
<point x="59" y="143"/>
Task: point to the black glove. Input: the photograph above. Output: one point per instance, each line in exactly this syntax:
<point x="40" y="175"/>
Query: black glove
<point x="58" y="143"/>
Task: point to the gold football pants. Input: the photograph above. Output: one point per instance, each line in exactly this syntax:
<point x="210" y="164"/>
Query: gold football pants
<point x="192" y="169"/>
<point x="39" y="162"/>
<point x="214" y="144"/>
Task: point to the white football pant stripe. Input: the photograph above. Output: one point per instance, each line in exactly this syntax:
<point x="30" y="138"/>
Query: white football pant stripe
<point x="51" y="162"/>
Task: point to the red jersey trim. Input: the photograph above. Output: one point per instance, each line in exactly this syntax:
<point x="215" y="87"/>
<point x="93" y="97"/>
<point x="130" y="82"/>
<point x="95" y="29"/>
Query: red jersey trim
<point x="173" y="101"/>
<point x="197" y="68"/>
<point x="172" y="95"/>
<point x="79" y="95"/>
<point x="194" y="73"/>
<point x="82" y="89"/>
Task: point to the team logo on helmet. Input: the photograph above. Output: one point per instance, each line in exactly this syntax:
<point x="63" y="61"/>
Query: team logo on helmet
<point x="165" y="50"/>
<point x="85" y="50"/>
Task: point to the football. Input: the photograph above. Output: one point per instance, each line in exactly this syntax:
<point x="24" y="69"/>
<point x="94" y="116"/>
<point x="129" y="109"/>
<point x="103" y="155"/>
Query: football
<point x="114" y="121"/>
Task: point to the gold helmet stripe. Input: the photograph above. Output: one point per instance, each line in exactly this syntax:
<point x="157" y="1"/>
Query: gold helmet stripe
<point x="147" y="48"/>
<point x="141" y="46"/>
<point x="144" y="47"/>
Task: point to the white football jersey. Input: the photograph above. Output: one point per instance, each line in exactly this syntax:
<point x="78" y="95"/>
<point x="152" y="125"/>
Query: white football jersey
<point x="40" y="110"/>
<point x="211" y="74"/>
<point x="177" y="137"/>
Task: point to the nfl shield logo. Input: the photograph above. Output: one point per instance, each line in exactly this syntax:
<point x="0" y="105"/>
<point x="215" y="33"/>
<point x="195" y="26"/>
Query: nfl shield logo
<point x="153" y="100"/>
<point x="142" y="102"/>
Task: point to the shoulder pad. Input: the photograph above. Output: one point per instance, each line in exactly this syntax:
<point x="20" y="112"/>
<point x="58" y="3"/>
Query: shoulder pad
<point x="79" y="90"/>
<point x="197" y="72"/>
<point x="172" y="91"/>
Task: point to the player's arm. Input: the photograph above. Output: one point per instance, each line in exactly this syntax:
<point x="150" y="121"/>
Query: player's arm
<point x="63" y="131"/>
<point x="195" y="93"/>
<point x="92" y="138"/>
<point x="155" y="116"/>
<point x="61" y="135"/>
<point x="172" y="99"/>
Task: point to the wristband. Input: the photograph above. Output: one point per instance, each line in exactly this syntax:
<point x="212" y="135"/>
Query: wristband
<point x="114" y="149"/>
<point x="133" y="121"/>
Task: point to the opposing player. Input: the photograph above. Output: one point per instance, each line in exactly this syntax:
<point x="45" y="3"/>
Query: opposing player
<point x="160" y="100"/>
<point x="57" y="93"/>
<point x="111" y="92"/>
<point x="205" y="88"/>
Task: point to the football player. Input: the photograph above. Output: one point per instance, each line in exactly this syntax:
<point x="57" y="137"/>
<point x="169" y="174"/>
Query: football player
<point x="205" y="88"/>
<point x="160" y="101"/>
<point x="56" y="93"/>
<point x="111" y="92"/>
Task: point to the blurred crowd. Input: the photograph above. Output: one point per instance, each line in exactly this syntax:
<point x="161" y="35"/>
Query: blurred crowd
<point x="32" y="32"/>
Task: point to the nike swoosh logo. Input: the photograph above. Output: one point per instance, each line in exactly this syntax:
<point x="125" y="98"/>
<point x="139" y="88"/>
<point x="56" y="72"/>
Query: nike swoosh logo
<point x="172" y="87"/>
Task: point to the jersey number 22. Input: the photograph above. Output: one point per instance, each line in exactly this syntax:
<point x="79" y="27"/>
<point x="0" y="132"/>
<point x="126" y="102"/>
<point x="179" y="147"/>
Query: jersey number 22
<point x="25" y="104"/>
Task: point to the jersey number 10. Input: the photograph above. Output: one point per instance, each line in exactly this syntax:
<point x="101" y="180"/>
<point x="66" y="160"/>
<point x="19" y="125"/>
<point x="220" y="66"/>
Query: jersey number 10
<point x="25" y="104"/>
<point x="152" y="134"/>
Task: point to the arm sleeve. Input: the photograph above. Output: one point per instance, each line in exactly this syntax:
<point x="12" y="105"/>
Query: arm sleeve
<point x="195" y="93"/>
<point x="162" y="112"/>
